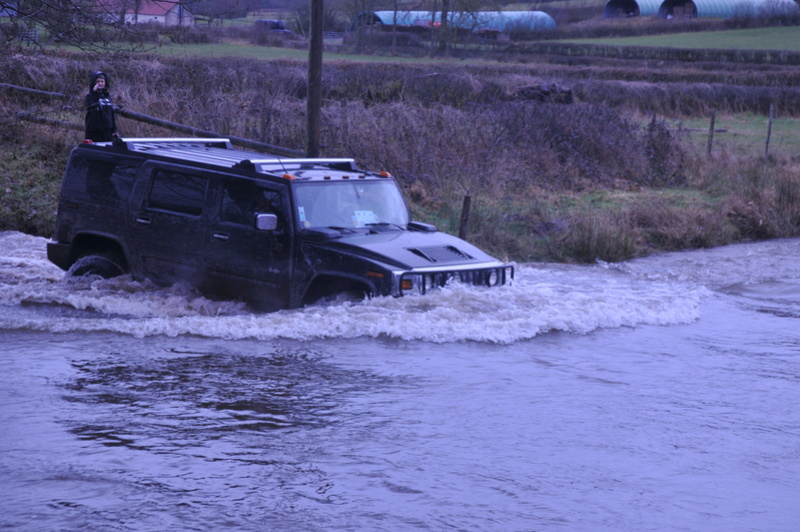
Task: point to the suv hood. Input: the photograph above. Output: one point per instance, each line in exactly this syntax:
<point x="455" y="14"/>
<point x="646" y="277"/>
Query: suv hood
<point x="409" y="250"/>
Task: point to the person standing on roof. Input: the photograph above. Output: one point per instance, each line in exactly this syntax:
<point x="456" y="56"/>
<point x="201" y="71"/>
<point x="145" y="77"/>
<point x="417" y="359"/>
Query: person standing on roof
<point x="100" y="123"/>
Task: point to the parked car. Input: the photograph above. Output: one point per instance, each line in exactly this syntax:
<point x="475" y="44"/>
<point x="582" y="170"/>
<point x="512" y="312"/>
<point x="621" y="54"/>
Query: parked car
<point x="277" y="232"/>
<point x="273" y="26"/>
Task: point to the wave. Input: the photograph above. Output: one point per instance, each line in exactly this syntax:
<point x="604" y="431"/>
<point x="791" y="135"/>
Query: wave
<point x="36" y="295"/>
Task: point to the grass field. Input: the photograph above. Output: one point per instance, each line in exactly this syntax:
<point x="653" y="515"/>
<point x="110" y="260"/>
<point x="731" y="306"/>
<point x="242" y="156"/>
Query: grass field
<point x="740" y="134"/>
<point x="576" y="182"/>
<point x="249" y="51"/>
<point x="777" y="38"/>
<point x="744" y="134"/>
<point x="252" y="51"/>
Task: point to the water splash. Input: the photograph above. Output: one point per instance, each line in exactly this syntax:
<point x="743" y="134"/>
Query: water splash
<point x="34" y="294"/>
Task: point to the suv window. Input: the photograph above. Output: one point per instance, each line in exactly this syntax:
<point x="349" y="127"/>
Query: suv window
<point x="242" y="200"/>
<point x="178" y="192"/>
<point x="104" y="181"/>
<point x="350" y="204"/>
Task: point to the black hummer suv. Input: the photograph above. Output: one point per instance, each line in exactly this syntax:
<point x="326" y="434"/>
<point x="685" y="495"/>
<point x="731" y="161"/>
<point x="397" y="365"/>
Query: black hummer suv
<point x="277" y="232"/>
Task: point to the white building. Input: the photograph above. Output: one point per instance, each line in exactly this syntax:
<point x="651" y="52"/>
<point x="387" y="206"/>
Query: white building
<point x="166" y="13"/>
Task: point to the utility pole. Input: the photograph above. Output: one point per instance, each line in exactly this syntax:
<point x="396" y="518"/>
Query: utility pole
<point x="443" y="27"/>
<point x="314" y="107"/>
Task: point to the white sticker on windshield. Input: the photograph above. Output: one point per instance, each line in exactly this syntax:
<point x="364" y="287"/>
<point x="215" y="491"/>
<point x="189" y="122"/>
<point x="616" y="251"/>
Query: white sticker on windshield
<point x="365" y="217"/>
<point x="302" y="212"/>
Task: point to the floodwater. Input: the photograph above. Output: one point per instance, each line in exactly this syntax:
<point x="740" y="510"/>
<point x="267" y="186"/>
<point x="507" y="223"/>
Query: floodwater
<point x="659" y="394"/>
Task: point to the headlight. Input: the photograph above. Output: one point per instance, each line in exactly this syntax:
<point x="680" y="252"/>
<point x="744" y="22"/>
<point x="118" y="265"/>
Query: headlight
<point x="411" y="284"/>
<point x="406" y="284"/>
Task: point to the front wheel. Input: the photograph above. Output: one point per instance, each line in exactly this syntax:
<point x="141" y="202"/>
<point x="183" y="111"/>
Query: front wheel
<point x="106" y="265"/>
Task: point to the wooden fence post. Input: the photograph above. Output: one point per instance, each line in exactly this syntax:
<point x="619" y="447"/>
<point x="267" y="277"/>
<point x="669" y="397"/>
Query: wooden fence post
<point x="711" y="131"/>
<point x="462" y="230"/>
<point x="769" y="131"/>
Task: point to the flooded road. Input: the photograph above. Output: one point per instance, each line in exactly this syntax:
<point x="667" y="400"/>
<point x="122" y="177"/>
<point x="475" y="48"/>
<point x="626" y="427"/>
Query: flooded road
<point x="658" y="394"/>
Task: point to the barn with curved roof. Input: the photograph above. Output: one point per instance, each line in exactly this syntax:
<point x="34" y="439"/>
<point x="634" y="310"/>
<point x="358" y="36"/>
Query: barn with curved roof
<point x="697" y="8"/>
<point x="631" y="8"/>
<point x="501" y="21"/>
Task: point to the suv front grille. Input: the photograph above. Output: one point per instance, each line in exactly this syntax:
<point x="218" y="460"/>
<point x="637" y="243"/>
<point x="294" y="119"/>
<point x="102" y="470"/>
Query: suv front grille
<point x="424" y="282"/>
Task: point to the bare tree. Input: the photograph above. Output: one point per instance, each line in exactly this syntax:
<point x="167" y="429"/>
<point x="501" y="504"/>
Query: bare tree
<point x="78" y="23"/>
<point x="86" y="24"/>
<point x="463" y="16"/>
<point x="212" y="10"/>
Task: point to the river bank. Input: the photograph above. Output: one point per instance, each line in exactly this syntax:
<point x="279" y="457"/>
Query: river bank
<point x="549" y="179"/>
<point x="757" y="201"/>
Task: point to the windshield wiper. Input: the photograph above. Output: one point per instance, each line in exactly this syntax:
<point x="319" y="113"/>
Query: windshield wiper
<point x="343" y="229"/>
<point x="385" y="224"/>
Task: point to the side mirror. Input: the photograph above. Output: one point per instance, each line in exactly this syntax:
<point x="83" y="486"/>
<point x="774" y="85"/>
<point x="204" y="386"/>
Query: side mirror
<point x="266" y="222"/>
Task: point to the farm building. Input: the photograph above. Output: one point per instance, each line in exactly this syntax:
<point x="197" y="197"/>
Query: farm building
<point x="168" y="12"/>
<point x="498" y="21"/>
<point x="697" y="8"/>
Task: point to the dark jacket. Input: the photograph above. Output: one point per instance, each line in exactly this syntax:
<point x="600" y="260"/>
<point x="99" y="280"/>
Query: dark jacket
<point x="100" y="123"/>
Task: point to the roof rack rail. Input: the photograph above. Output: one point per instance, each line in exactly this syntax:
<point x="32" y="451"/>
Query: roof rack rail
<point x="133" y="143"/>
<point x="337" y="164"/>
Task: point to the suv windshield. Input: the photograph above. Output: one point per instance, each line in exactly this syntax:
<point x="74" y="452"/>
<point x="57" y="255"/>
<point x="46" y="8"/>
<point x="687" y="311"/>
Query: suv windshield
<point x="350" y="204"/>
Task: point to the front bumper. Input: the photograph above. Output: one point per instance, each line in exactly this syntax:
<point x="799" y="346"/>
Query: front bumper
<point x="422" y="281"/>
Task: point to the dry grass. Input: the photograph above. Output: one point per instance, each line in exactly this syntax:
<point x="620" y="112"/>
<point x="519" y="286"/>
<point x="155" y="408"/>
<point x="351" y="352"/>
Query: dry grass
<point x="539" y="172"/>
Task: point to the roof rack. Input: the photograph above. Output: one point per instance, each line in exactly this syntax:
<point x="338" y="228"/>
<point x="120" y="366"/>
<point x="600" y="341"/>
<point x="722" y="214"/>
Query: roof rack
<point x="142" y="144"/>
<point x="221" y="153"/>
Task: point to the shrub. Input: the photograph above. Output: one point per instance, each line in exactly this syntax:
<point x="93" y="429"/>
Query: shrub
<point x="30" y="177"/>
<point x="607" y="236"/>
<point x="762" y="196"/>
<point x="666" y="155"/>
<point x="680" y="223"/>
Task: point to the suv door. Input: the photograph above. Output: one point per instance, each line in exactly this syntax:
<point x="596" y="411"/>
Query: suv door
<point x="168" y="225"/>
<point x="244" y="261"/>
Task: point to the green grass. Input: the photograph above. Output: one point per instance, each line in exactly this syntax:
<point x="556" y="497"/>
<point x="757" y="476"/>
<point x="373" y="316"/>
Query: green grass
<point x="30" y="179"/>
<point x="251" y="51"/>
<point x="777" y="38"/>
<point x="230" y="50"/>
<point x="745" y="134"/>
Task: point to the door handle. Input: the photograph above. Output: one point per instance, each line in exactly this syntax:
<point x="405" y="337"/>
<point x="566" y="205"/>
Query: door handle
<point x="143" y="220"/>
<point x="221" y="236"/>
